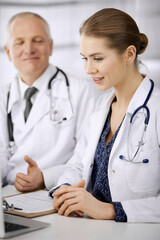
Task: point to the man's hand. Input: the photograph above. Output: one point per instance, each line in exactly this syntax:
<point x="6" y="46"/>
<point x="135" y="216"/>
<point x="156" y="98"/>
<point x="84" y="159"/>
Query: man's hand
<point x="32" y="181"/>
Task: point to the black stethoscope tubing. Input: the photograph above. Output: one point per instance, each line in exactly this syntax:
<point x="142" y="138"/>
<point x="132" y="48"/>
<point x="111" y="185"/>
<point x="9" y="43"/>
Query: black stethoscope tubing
<point x="55" y="75"/>
<point x="9" y="122"/>
<point x="9" y="118"/>
<point x="144" y="105"/>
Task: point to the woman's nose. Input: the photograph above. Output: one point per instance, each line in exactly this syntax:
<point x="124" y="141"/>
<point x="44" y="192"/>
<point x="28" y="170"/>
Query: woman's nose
<point x="90" y="68"/>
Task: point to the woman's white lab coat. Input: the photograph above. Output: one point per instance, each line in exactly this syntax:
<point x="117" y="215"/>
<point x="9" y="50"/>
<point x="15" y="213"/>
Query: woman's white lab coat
<point x="51" y="146"/>
<point x="136" y="186"/>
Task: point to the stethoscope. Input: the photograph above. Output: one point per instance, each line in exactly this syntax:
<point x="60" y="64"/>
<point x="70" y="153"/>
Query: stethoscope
<point x="141" y="142"/>
<point x="53" y="112"/>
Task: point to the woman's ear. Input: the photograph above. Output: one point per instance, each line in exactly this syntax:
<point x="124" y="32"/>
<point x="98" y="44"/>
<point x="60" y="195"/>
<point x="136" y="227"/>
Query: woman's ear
<point x="130" y="54"/>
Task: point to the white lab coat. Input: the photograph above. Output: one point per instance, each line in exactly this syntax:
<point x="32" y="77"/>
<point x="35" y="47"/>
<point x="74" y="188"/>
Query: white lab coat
<point x="51" y="146"/>
<point x="136" y="186"/>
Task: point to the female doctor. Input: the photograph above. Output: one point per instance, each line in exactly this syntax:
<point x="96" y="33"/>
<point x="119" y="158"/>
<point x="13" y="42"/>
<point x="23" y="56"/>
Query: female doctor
<point x="122" y="162"/>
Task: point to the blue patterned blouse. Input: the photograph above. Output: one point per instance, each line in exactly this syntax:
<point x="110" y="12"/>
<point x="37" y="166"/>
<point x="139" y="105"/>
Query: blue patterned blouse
<point x="100" y="182"/>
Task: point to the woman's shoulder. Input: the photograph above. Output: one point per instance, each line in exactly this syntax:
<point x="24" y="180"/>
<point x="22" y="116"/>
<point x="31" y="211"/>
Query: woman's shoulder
<point x="155" y="97"/>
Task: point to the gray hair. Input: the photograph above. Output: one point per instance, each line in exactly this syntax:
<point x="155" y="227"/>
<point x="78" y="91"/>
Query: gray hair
<point x="27" y="14"/>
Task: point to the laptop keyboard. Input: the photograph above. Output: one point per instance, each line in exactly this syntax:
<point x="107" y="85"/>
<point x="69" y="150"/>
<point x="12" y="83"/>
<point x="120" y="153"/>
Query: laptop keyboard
<point x="9" y="227"/>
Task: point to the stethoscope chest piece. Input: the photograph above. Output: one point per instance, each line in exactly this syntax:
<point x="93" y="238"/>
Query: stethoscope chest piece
<point x="11" y="149"/>
<point x="61" y="109"/>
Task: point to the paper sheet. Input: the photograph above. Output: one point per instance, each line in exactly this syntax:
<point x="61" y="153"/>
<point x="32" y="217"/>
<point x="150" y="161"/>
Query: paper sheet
<point x="33" y="202"/>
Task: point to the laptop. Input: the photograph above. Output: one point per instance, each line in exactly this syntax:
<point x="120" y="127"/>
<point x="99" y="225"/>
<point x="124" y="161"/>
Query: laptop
<point x="11" y="225"/>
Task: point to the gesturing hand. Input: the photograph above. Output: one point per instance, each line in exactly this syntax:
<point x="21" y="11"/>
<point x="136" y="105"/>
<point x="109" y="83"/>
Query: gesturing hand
<point x="33" y="180"/>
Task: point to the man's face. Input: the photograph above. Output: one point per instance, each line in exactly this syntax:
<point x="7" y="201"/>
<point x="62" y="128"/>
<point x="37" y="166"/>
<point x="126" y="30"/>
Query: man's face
<point x="29" y="47"/>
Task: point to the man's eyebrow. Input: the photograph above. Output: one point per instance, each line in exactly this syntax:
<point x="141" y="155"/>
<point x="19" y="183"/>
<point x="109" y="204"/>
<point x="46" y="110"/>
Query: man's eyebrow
<point x="19" y="38"/>
<point x="36" y="36"/>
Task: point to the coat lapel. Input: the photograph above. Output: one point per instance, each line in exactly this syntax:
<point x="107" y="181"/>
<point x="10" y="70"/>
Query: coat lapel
<point x="137" y="100"/>
<point x="39" y="109"/>
<point x="41" y="106"/>
<point x="14" y="94"/>
<point x="15" y="107"/>
<point x="97" y="123"/>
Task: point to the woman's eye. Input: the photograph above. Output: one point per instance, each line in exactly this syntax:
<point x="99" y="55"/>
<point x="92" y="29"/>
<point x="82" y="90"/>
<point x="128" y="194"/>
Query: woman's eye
<point x="84" y="58"/>
<point x="98" y="59"/>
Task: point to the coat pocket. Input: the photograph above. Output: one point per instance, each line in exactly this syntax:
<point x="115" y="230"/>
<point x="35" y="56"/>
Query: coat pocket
<point x="144" y="177"/>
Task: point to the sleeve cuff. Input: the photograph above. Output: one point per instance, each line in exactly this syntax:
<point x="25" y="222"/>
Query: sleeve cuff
<point x="54" y="189"/>
<point x="120" y="213"/>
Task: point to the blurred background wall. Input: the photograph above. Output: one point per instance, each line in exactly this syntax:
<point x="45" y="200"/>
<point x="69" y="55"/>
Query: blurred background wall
<point x="65" y="17"/>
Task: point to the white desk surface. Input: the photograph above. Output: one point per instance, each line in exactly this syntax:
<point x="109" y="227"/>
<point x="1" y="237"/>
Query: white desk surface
<point x="76" y="228"/>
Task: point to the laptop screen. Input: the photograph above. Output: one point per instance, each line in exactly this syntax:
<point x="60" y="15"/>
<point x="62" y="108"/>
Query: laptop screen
<point x="11" y="225"/>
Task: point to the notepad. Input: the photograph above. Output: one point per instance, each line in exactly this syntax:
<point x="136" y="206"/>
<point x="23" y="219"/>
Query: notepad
<point x="33" y="204"/>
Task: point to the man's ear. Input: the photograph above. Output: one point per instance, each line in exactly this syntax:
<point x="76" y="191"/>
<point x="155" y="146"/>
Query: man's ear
<point x="51" y="46"/>
<point x="8" y="52"/>
<point x="130" y="54"/>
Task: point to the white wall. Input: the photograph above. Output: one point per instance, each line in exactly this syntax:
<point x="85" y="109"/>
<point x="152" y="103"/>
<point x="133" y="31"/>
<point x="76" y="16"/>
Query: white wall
<point x="65" y="17"/>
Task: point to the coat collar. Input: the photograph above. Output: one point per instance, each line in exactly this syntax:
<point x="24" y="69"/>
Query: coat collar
<point x="40" y="107"/>
<point x="99" y="117"/>
<point x="14" y="93"/>
<point x="101" y="112"/>
<point x="137" y="100"/>
<point x="140" y="95"/>
<point x="14" y="88"/>
<point x="105" y="101"/>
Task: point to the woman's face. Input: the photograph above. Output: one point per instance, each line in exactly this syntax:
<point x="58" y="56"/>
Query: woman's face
<point x="105" y="65"/>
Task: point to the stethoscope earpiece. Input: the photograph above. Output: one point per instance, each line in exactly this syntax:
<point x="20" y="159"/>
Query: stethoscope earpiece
<point x="143" y="161"/>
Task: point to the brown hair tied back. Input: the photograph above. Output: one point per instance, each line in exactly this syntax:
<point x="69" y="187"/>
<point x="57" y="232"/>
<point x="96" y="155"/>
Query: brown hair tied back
<point x="143" y="43"/>
<point x="116" y="26"/>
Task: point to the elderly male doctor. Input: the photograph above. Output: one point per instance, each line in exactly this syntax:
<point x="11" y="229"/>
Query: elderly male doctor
<point x="27" y="126"/>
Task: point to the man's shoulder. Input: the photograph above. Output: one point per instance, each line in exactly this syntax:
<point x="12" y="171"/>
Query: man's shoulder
<point x="4" y="89"/>
<point x="81" y="83"/>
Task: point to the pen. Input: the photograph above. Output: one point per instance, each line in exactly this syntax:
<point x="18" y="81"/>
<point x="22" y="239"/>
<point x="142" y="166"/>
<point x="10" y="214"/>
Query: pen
<point x="16" y="208"/>
<point x="8" y="207"/>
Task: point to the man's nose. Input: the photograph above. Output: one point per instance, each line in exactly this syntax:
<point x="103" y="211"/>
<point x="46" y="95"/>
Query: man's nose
<point x="29" y="47"/>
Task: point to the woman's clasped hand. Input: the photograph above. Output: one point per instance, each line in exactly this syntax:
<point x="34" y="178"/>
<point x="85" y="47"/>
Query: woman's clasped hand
<point x="76" y="200"/>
